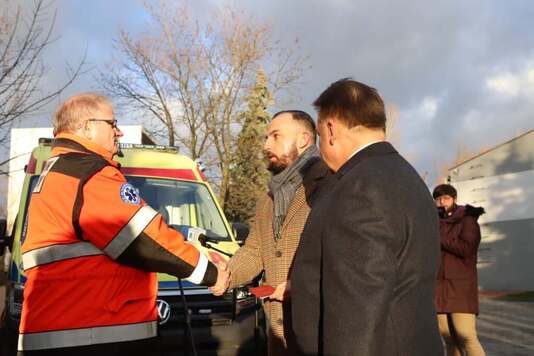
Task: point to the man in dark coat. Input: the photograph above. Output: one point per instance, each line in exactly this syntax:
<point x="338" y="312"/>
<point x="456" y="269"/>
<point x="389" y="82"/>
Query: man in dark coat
<point x="456" y="295"/>
<point x="363" y="277"/>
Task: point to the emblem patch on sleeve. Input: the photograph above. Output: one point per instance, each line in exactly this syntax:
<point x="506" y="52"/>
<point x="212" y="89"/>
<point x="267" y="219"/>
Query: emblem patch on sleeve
<point x="130" y="194"/>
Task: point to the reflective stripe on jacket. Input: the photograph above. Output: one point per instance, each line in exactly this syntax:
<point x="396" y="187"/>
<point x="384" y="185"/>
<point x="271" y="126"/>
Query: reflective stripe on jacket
<point x="80" y="224"/>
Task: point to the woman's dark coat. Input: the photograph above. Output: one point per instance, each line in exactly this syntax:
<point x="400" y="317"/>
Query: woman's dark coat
<point x="457" y="282"/>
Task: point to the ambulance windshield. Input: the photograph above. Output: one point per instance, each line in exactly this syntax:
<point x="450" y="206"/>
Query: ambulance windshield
<point x="182" y="203"/>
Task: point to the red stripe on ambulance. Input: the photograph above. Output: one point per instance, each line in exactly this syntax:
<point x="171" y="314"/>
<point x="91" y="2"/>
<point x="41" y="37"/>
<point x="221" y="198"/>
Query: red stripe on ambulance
<point x="160" y="172"/>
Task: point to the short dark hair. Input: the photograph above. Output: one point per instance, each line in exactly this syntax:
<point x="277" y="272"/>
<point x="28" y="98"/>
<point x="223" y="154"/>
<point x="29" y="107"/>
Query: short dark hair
<point x="303" y="118"/>
<point x="353" y="103"/>
<point x="444" y="189"/>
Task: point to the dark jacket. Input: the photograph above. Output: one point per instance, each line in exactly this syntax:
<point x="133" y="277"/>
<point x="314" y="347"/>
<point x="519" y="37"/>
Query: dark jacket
<point x="457" y="282"/>
<point x="364" y="273"/>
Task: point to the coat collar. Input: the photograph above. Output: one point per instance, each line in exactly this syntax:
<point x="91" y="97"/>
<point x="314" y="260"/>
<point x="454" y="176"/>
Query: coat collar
<point x="382" y="148"/>
<point x="65" y="142"/>
<point x="315" y="174"/>
<point x="461" y="212"/>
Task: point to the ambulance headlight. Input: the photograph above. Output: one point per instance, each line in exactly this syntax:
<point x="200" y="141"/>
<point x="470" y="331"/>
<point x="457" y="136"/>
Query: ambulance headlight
<point x="244" y="300"/>
<point x="242" y="293"/>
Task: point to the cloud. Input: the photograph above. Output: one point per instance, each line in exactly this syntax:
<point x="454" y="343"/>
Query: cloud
<point x="513" y="84"/>
<point x="460" y="73"/>
<point x="505" y="83"/>
<point x="428" y="108"/>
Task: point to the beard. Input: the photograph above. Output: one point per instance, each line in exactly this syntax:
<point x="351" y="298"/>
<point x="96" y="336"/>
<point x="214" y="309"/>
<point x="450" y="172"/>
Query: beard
<point x="450" y="209"/>
<point x="282" y="162"/>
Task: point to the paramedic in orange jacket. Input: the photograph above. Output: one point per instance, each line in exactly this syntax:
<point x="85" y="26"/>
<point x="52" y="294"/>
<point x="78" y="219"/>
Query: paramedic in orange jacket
<point x="93" y="246"/>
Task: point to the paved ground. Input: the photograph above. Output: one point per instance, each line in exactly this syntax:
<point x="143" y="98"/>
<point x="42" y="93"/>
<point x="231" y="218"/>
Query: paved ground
<point x="506" y="328"/>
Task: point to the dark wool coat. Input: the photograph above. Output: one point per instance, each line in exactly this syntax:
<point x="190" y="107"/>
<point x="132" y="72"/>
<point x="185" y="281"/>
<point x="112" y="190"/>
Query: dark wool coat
<point x="457" y="282"/>
<point x="363" y="277"/>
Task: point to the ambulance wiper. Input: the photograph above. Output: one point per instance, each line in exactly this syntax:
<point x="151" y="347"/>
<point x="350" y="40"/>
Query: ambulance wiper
<point x="207" y="241"/>
<point x="203" y="238"/>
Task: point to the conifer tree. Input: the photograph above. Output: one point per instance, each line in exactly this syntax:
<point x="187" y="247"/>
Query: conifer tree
<point x="248" y="172"/>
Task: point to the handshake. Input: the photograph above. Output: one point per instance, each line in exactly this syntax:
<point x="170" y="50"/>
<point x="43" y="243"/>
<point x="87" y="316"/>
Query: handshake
<point x="223" y="281"/>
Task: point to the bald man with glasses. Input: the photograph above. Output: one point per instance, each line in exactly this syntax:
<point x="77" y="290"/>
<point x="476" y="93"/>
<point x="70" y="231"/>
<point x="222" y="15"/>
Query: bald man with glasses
<point x="93" y="246"/>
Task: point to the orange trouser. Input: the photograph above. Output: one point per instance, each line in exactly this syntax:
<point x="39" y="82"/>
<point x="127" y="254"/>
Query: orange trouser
<point x="459" y="333"/>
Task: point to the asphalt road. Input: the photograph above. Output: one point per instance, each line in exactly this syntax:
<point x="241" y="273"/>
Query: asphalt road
<point x="506" y="328"/>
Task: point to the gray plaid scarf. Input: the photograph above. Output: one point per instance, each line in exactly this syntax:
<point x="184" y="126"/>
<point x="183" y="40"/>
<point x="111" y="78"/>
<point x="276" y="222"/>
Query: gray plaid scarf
<point x="283" y="186"/>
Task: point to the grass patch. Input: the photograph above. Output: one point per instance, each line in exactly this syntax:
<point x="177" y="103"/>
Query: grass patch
<point x="518" y="297"/>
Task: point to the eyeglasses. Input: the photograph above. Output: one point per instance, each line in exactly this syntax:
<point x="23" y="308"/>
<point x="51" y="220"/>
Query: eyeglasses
<point x="112" y="123"/>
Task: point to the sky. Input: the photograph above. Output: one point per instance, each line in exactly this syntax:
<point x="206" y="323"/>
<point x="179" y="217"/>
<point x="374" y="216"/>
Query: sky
<point x="460" y="73"/>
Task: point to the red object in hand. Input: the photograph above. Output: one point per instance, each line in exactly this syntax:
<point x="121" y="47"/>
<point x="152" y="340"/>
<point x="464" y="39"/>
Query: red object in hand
<point x="262" y="291"/>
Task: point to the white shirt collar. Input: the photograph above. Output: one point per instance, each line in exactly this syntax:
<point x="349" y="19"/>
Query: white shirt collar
<point x="363" y="147"/>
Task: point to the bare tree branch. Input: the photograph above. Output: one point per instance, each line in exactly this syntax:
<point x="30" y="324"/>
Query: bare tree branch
<point x="24" y="36"/>
<point x="194" y="77"/>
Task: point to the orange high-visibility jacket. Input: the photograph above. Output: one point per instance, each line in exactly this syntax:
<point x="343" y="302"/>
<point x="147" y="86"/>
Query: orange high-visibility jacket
<point x="91" y="251"/>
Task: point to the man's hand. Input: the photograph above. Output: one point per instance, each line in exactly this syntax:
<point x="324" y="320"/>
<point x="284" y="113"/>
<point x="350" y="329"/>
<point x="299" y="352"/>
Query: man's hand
<point x="281" y="292"/>
<point x="223" y="279"/>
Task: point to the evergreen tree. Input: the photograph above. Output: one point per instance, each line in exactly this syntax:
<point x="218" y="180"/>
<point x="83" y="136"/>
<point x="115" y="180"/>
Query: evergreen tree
<point x="248" y="172"/>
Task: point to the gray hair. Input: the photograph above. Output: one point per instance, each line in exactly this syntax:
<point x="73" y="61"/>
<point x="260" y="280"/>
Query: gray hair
<point x="71" y="115"/>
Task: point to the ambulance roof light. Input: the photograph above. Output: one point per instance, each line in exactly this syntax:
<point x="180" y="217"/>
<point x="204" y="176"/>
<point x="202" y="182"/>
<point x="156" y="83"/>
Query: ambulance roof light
<point x="46" y="141"/>
<point x="165" y="148"/>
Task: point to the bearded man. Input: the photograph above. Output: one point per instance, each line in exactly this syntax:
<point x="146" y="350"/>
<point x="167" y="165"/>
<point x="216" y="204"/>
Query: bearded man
<point x="456" y="293"/>
<point x="293" y="159"/>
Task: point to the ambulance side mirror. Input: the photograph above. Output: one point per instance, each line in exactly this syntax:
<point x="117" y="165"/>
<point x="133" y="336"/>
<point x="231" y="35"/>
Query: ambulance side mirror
<point x="240" y="231"/>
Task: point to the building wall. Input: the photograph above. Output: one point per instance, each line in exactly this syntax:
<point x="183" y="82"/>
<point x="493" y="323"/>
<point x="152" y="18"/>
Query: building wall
<point x="506" y="255"/>
<point x="502" y="181"/>
<point x="505" y="197"/>
<point x="514" y="156"/>
<point x="23" y="140"/>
